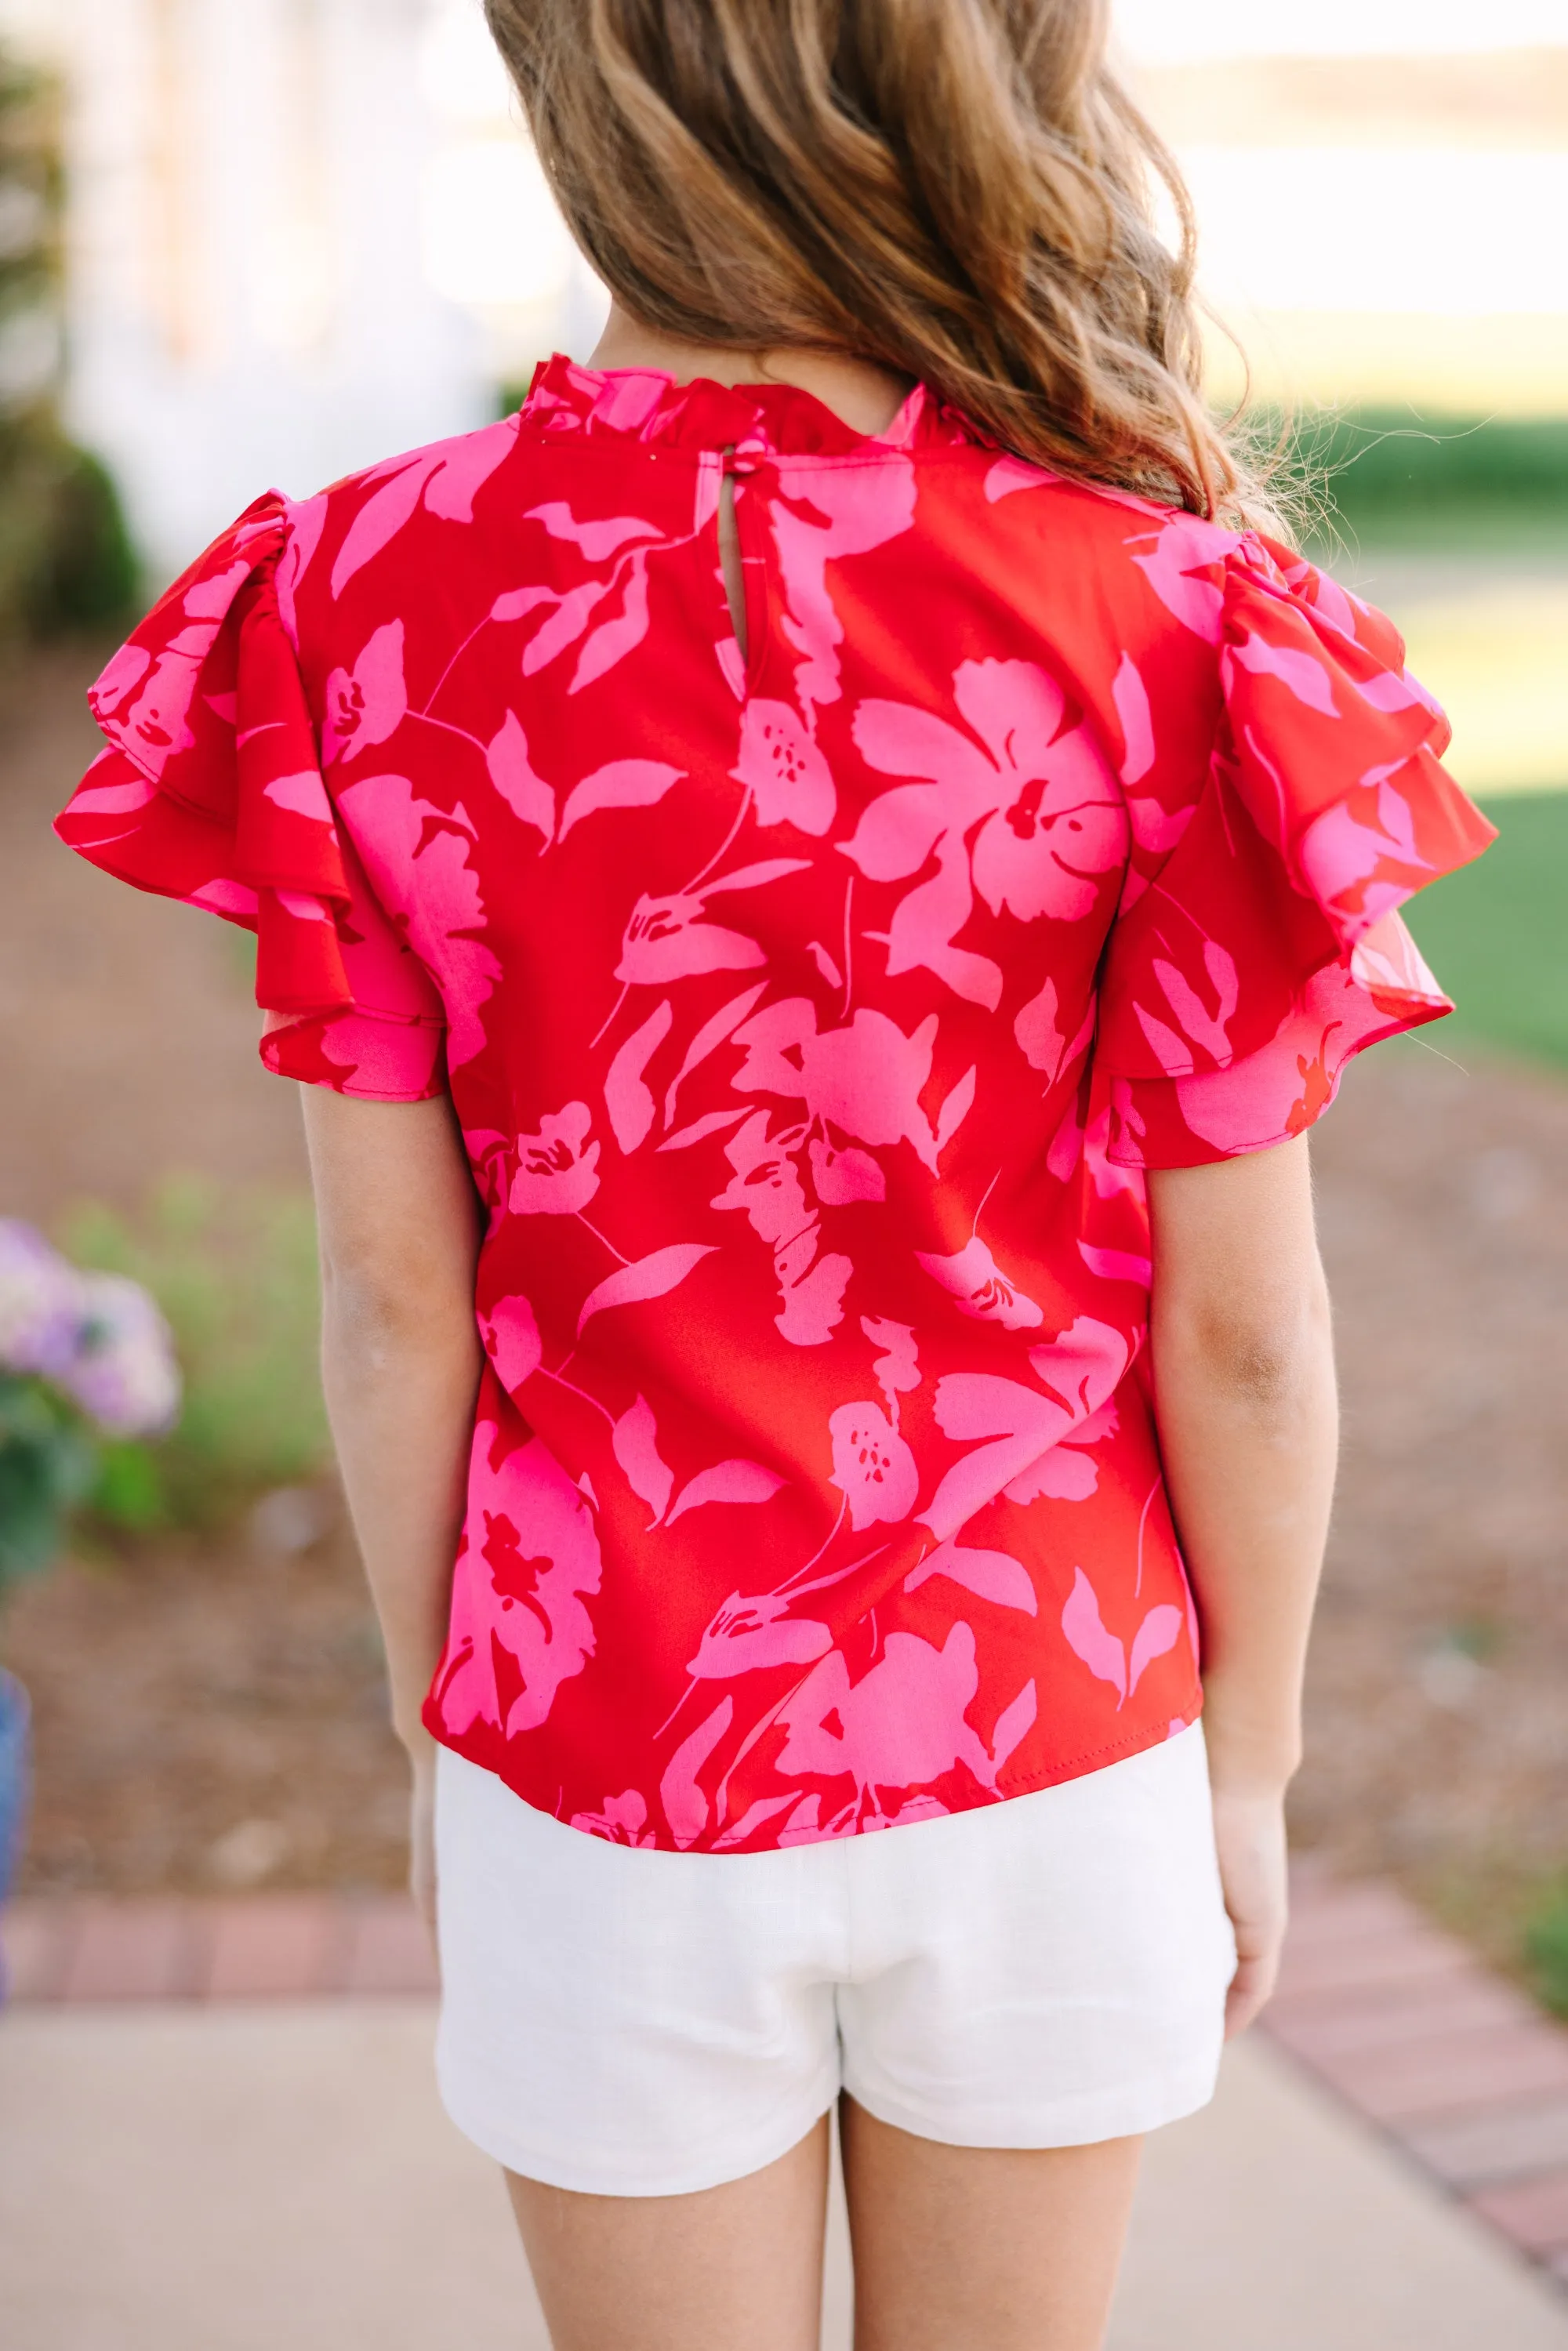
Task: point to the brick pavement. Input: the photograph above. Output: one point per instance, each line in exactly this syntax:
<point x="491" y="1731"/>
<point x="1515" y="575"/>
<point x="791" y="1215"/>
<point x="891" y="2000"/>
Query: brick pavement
<point x="1398" y="2020"/>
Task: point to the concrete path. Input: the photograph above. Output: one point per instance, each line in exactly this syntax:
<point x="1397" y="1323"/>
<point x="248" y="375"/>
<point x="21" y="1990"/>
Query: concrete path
<point x="231" y="2177"/>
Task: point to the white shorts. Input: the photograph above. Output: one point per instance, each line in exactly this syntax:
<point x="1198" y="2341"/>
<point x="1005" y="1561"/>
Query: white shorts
<point x="1043" y="1972"/>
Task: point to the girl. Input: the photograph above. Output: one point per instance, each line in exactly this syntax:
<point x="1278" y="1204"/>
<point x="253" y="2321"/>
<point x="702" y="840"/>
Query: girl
<point x="815" y="880"/>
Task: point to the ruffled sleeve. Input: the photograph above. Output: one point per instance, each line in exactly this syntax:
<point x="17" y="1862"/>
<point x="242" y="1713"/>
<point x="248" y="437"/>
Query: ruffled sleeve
<point x="211" y="792"/>
<point x="1257" y="948"/>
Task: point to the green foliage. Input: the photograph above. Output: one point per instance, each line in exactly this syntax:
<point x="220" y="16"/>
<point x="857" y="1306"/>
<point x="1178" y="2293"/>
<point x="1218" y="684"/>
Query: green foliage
<point x="235" y="1275"/>
<point x="1425" y="477"/>
<point x="66" y="561"/>
<point x="1546" y="1949"/>
<point x="1495" y="936"/>
<point x="46" y="1467"/>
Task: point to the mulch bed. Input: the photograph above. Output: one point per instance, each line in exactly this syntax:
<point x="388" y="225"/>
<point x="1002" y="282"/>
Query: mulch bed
<point x="211" y="1717"/>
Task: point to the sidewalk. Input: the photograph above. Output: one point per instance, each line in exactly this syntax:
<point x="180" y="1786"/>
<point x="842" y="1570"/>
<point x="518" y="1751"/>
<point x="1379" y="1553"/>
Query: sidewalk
<point x="204" y="2147"/>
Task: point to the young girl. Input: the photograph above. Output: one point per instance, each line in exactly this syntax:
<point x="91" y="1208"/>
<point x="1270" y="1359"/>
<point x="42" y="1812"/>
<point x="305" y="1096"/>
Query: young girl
<point x="815" y="880"/>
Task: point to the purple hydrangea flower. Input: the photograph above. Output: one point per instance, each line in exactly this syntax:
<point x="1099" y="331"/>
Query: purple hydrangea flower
<point x="41" y="1306"/>
<point x="123" y="1372"/>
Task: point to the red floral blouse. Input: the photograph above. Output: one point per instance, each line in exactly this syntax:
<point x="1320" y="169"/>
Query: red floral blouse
<point x="810" y="1017"/>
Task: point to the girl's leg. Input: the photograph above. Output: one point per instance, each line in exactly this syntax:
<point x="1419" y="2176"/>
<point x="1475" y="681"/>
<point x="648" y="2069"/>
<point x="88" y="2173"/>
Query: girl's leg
<point x="737" y="2268"/>
<point x="982" y="2249"/>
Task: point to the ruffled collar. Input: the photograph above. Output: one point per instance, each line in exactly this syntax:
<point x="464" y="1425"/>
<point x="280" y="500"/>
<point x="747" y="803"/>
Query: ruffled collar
<point x="772" y="420"/>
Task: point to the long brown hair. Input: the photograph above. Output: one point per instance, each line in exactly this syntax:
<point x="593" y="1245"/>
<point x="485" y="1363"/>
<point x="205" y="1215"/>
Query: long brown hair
<point x="958" y="189"/>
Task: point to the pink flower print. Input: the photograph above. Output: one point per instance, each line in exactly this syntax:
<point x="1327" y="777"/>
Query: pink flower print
<point x="783" y="770"/>
<point x="511" y="1339"/>
<point x="901" y="1725"/>
<point x="866" y="1078"/>
<point x="874" y="1468"/>
<point x="767" y="1187"/>
<point x="811" y="1291"/>
<point x="977" y="1286"/>
<point x="418" y="860"/>
<point x="1359" y="858"/>
<point x="368" y="703"/>
<point x="766" y="1184"/>
<point x="622" y="1820"/>
<point x="530" y="1560"/>
<point x="1030" y="815"/>
<point x="557" y="1168"/>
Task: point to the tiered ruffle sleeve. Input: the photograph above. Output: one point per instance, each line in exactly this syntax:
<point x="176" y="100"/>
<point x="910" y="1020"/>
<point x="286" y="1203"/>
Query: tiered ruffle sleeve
<point x="1257" y="948"/>
<point x="211" y="792"/>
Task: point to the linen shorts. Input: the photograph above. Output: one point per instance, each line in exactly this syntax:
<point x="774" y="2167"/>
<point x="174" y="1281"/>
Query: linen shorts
<point x="1044" y="1973"/>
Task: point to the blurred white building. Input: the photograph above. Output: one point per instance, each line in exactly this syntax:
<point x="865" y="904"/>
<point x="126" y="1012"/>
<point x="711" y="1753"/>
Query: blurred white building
<point x="303" y="235"/>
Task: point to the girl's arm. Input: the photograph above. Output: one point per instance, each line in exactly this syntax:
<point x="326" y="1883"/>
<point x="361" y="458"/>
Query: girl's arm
<point x="399" y="1225"/>
<point x="1244" y="1392"/>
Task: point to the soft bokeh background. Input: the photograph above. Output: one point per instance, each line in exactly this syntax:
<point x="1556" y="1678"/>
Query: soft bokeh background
<point x="254" y="242"/>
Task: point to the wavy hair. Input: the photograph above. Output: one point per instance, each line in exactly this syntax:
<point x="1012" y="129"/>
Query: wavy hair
<point x="958" y="189"/>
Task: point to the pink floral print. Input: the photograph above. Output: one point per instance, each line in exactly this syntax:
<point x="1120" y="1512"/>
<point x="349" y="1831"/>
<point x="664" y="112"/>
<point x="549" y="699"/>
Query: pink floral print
<point x="811" y="1017"/>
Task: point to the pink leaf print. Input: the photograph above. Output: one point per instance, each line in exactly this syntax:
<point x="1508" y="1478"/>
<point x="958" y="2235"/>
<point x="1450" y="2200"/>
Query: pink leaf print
<point x="1306" y="676"/>
<point x="1117" y="1265"/>
<point x="623" y="784"/>
<point x="756" y="1630"/>
<point x="511" y="1337"/>
<point x="1131" y="698"/>
<point x="992" y="1575"/>
<point x="789" y="779"/>
<point x="381" y="516"/>
<point x="512" y="773"/>
<point x="1041" y="1042"/>
<point x="626" y="1097"/>
<point x="1159" y="1632"/>
<point x="752" y="877"/>
<point x="598" y="540"/>
<point x="468" y="464"/>
<point x="873" y="1466"/>
<point x="709" y="1038"/>
<point x="417" y="857"/>
<point x="634" y="1443"/>
<point x="712" y="1122"/>
<point x="977" y="1286"/>
<point x="368" y="704"/>
<point x="565" y="625"/>
<point x="557" y="1167"/>
<point x="1083" y="1364"/>
<point x="1013" y="1724"/>
<point x="651" y="1277"/>
<point x="667" y="940"/>
<point x="727" y="1481"/>
<point x="302" y="794"/>
<point x="1020" y="1422"/>
<point x="686" y="1806"/>
<point x="619" y="636"/>
<point x="1086" y="1635"/>
<point x="955" y="1109"/>
<point x="1341" y="853"/>
<point x="866" y="1078"/>
<point x="1178" y="549"/>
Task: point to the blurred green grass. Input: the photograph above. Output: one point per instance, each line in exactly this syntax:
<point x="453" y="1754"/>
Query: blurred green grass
<point x="1497" y="934"/>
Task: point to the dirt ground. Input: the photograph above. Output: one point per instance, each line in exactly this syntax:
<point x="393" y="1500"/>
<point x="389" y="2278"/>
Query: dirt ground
<point x="215" y="1717"/>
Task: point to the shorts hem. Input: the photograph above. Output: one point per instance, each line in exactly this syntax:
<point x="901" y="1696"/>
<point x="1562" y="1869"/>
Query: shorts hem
<point x="582" y="2177"/>
<point x="1125" y="2112"/>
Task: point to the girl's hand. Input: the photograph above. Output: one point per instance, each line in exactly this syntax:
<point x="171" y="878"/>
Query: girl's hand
<point x="1249" y="1834"/>
<point x="422" y="1833"/>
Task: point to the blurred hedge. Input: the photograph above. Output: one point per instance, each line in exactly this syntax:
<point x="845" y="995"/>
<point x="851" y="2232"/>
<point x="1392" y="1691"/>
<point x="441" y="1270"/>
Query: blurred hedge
<point x="1392" y="469"/>
<point x="66" y="559"/>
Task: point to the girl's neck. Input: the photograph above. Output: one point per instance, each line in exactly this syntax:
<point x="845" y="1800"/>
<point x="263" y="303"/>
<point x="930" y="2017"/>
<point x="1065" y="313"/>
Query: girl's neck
<point x="864" y="397"/>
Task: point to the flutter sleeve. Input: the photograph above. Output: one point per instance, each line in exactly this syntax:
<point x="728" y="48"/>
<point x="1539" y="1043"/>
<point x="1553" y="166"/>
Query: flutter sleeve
<point x="1257" y="948"/>
<point x="210" y="791"/>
